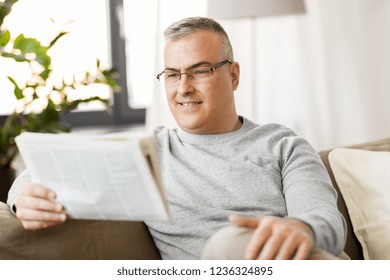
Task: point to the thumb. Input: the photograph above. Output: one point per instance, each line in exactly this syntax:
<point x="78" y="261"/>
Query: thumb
<point x="244" y="221"/>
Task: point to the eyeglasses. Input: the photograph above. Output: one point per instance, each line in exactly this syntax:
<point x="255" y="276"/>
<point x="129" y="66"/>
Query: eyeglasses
<point x="196" y="74"/>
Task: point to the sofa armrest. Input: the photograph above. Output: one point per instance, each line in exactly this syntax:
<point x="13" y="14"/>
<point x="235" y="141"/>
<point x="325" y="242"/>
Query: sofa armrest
<point x="75" y="239"/>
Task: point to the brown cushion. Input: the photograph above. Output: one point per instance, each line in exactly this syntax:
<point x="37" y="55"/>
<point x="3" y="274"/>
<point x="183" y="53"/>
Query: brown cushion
<point x="76" y="239"/>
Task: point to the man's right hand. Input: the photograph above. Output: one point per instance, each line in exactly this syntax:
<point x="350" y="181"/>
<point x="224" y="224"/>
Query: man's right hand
<point x="36" y="207"/>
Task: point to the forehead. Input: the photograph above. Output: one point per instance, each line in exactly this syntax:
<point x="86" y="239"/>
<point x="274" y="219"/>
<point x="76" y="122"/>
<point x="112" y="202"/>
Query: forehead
<point x="193" y="48"/>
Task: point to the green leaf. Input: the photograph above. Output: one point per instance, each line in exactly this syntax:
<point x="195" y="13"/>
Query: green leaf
<point x="18" y="58"/>
<point x="45" y="74"/>
<point x="5" y="9"/>
<point x="27" y="45"/>
<point x="43" y="59"/>
<point x="32" y="45"/>
<point x="17" y="91"/>
<point x="52" y="43"/>
<point x="73" y="104"/>
<point x="31" y="123"/>
<point x="5" y="37"/>
<point x="110" y="79"/>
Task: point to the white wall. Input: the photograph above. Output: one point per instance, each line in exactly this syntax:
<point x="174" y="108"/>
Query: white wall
<point x="325" y="74"/>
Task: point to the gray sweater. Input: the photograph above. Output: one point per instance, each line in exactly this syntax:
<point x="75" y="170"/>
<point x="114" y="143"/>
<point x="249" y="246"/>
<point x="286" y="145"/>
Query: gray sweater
<point x="257" y="170"/>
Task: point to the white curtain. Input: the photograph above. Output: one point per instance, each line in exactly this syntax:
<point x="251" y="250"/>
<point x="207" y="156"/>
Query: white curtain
<point x="325" y="74"/>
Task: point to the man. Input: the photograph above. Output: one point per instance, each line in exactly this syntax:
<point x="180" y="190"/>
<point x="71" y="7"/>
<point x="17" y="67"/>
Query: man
<point x="220" y="169"/>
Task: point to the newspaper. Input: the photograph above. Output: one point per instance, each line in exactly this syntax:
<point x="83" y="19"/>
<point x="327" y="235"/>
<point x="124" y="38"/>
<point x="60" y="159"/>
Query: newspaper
<point x="97" y="176"/>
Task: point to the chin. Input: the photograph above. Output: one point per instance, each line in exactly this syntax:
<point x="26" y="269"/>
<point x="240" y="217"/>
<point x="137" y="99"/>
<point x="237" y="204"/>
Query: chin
<point x="194" y="123"/>
<point x="189" y="127"/>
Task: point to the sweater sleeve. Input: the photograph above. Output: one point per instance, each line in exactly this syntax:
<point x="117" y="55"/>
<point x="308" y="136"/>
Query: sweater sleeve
<point x="310" y="195"/>
<point x="23" y="178"/>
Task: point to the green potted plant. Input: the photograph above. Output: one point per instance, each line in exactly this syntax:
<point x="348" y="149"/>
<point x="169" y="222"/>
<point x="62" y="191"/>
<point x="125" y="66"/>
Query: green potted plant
<point x="56" y="102"/>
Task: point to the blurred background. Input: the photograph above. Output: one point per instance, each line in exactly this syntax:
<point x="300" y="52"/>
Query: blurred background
<point x="321" y="67"/>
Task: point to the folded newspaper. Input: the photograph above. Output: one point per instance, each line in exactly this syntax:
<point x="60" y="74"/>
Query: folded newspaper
<point x="104" y="177"/>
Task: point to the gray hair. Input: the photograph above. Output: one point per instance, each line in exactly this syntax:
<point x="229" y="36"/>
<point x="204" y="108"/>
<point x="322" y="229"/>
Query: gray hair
<point x="187" y="26"/>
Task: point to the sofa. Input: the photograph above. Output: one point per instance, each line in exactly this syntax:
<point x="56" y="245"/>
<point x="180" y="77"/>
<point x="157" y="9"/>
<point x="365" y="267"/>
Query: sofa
<point x="88" y="239"/>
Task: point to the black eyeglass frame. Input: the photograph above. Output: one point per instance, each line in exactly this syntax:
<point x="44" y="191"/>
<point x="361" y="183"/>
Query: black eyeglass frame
<point x="212" y="69"/>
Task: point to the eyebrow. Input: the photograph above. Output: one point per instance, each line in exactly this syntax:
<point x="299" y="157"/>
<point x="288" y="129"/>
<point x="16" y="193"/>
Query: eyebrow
<point x="201" y="63"/>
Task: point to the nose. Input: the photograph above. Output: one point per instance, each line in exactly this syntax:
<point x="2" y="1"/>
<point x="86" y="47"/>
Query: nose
<point x="184" y="86"/>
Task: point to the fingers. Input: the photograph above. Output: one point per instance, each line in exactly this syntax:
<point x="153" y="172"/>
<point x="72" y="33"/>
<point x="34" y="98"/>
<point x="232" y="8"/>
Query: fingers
<point x="294" y="247"/>
<point x="39" y="191"/>
<point x="273" y="246"/>
<point x="258" y="244"/>
<point x="35" y="225"/>
<point x="244" y="221"/>
<point x="259" y="237"/>
<point x="27" y="215"/>
<point x="304" y="251"/>
<point x="276" y="238"/>
<point x="36" y="207"/>
<point x="37" y="203"/>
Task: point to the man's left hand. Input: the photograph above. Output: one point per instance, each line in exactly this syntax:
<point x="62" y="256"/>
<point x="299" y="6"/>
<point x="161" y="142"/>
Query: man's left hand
<point x="276" y="238"/>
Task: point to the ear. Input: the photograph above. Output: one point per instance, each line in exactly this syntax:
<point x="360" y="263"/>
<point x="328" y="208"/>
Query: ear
<point x="235" y="73"/>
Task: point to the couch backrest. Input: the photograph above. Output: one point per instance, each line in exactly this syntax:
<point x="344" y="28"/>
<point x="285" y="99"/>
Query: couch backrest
<point x="352" y="246"/>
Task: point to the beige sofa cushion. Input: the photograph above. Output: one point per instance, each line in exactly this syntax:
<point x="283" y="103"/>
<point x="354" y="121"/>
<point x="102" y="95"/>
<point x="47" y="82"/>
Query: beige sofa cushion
<point x="363" y="178"/>
<point x="76" y="239"/>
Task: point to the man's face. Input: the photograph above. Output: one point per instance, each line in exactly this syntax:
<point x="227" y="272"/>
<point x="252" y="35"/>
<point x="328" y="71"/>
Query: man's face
<point x="204" y="107"/>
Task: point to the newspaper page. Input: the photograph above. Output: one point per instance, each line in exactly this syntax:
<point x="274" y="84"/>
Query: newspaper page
<point x="95" y="177"/>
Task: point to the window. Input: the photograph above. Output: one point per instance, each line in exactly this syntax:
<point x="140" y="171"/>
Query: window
<point x="140" y="19"/>
<point x="94" y="32"/>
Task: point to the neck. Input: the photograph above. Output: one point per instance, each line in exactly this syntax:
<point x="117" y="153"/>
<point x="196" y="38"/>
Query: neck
<point x="237" y="124"/>
<point x="232" y="126"/>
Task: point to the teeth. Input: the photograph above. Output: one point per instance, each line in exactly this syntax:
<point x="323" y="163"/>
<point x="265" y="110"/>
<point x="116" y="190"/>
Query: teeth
<point x="188" y="104"/>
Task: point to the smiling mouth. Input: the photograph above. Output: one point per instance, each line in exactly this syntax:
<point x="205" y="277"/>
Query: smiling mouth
<point x="189" y="104"/>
